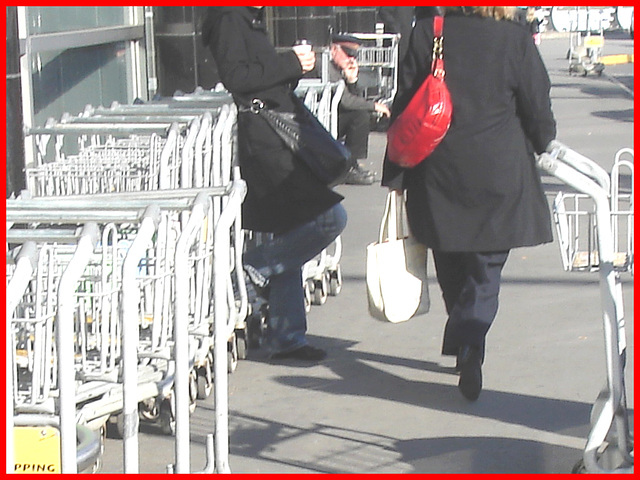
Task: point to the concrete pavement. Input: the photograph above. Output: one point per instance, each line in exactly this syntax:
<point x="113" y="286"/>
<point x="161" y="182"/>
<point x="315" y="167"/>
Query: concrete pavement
<point x="385" y="401"/>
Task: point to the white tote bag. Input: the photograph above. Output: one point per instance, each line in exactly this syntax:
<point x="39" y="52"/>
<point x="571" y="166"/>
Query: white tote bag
<point x="396" y="271"/>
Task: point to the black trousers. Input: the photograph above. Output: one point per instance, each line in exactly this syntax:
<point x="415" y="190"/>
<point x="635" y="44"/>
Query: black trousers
<point x="470" y="284"/>
<point x="353" y="126"/>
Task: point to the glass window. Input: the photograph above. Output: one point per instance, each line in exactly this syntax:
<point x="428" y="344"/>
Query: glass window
<point x="67" y="81"/>
<point x="63" y="19"/>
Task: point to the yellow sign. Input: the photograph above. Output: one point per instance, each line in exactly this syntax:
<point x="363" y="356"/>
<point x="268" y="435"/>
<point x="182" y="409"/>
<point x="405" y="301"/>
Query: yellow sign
<point x="593" y="41"/>
<point x="36" y="450"/>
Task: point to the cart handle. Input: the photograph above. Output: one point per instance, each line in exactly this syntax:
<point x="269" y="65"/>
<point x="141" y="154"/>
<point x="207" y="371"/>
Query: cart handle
<point x="579" y="162"/>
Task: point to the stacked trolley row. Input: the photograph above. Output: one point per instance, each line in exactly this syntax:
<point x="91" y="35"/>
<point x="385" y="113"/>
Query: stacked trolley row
<point x="322" y="275"/>
<point x="595" y="232"/>
<point x="140" y="328"/>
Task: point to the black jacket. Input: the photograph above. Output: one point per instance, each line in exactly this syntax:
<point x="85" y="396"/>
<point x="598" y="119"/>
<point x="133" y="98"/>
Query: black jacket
<point x="398" y="20"/>
<point x="282" y="191"/>
<point x="480" y="191"/>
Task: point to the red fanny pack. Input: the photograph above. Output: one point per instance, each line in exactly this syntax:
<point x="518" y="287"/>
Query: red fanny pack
<point x="422" y="125"/>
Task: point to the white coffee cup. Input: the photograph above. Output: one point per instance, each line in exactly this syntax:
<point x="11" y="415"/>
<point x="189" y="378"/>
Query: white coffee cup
<point x="302" y="47"/>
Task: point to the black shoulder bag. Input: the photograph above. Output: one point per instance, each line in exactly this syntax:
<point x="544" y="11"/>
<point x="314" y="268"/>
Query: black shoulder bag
<point x="306" y="137"/>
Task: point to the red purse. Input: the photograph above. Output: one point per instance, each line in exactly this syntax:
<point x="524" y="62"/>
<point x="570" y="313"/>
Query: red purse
<point x="422" y="125"/>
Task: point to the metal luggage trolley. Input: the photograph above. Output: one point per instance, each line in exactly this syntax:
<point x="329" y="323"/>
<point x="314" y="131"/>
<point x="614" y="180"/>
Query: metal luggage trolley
<point x="27" y="354"/>
<point x="207" y="149"/>
<point x="586" y="41"/>
<point x="141" y="377"/>
<point x="605" y="216"/>
<point x="218" y="168"/>
<point x="322" y="275"/>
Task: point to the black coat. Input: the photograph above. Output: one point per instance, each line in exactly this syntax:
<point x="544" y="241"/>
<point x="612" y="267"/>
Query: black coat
<point x="282" y="193"/>
<point x="480" y="191"/>
<point x="398" y="20"/>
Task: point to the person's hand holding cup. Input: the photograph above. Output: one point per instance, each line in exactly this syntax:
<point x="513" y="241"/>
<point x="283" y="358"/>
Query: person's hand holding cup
<point x="306" y="55"/>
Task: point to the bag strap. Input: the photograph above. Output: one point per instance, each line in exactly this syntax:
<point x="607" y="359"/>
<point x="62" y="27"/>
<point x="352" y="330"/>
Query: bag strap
<point x="437" y="60"/>
<point x="393" y="218"/>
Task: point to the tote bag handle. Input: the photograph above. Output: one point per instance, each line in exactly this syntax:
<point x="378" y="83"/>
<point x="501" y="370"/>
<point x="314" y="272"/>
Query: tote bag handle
<point x="392" y="226"/>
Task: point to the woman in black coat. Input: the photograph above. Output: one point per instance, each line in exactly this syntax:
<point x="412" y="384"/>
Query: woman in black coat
<point x="478" y="194"/>
<point x="283" y="196"/>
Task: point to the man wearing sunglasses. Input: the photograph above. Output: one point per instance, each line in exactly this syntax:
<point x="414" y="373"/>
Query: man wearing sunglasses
<point x="354" y="110"/>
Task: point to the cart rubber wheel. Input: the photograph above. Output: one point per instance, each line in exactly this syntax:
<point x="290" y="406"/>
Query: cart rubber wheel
<point x="167" y="418"/>
<point x="205" y="386"/>
<point x="232" y="362"/>
<point x="241" y="345"/>
<point x="307" y="295"/>
<point x="193" y="390"/>
<point x="335" y="281"/>
<point x="102" y="433"/>
<point x="320" y="291"/>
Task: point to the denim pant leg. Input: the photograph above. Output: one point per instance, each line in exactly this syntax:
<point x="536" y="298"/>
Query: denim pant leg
<point x="280" y="260"/>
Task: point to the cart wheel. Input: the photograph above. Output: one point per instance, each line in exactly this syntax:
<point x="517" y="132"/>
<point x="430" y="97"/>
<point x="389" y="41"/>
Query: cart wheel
<point x="307" y="295"/>
<point x="320" y="291"/>
<point x="335" y="281"/>
<point x="241" y="344"/>
<point x="232" y="355"/>
<point x="167" y="418"/>
<point x="193" y="390"/>
<point x="204" y="383"/>
<point x="102" y="432"/>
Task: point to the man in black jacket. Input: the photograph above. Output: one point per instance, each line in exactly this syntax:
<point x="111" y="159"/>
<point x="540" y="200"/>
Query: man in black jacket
<point x="354" y="109"/>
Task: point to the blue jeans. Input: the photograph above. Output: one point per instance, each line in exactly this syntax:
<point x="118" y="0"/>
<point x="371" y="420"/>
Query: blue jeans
<point x="280" y="260"/>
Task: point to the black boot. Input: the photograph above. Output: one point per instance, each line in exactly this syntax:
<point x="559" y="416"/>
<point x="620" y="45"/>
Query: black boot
<point x="469" y="362"/>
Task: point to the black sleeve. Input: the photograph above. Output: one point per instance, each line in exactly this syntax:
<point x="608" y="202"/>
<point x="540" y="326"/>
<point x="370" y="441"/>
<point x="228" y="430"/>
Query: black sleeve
<point x="387" y="15"/>
<point x="533" y="98"/>
<point x="239" y="71"/>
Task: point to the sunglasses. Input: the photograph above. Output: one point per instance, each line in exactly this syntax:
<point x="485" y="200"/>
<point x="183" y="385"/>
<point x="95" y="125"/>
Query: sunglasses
<point x="350" y="52"/>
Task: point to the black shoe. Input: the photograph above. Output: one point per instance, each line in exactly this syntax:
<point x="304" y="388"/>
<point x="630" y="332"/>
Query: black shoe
<point x="306" y="353"/>
<point x="359" y="176"/>
<point x="469" y="362"/>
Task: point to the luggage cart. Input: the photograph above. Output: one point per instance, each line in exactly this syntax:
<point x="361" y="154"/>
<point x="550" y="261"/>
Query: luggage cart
<point x="586" y="42"/>
<point x="206" y="160"/>
<point x="609" y="446"/>
<point x="133" y="390"/>
<point x="95" y="158"/>
<point x="203" y="151"/>
<point x="575" y="221"/>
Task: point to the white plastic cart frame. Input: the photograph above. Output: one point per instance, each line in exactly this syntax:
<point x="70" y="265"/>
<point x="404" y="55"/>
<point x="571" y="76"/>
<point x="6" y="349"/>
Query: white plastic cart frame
<point x="609" y="447"/>
<point x="68" y="209"/>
